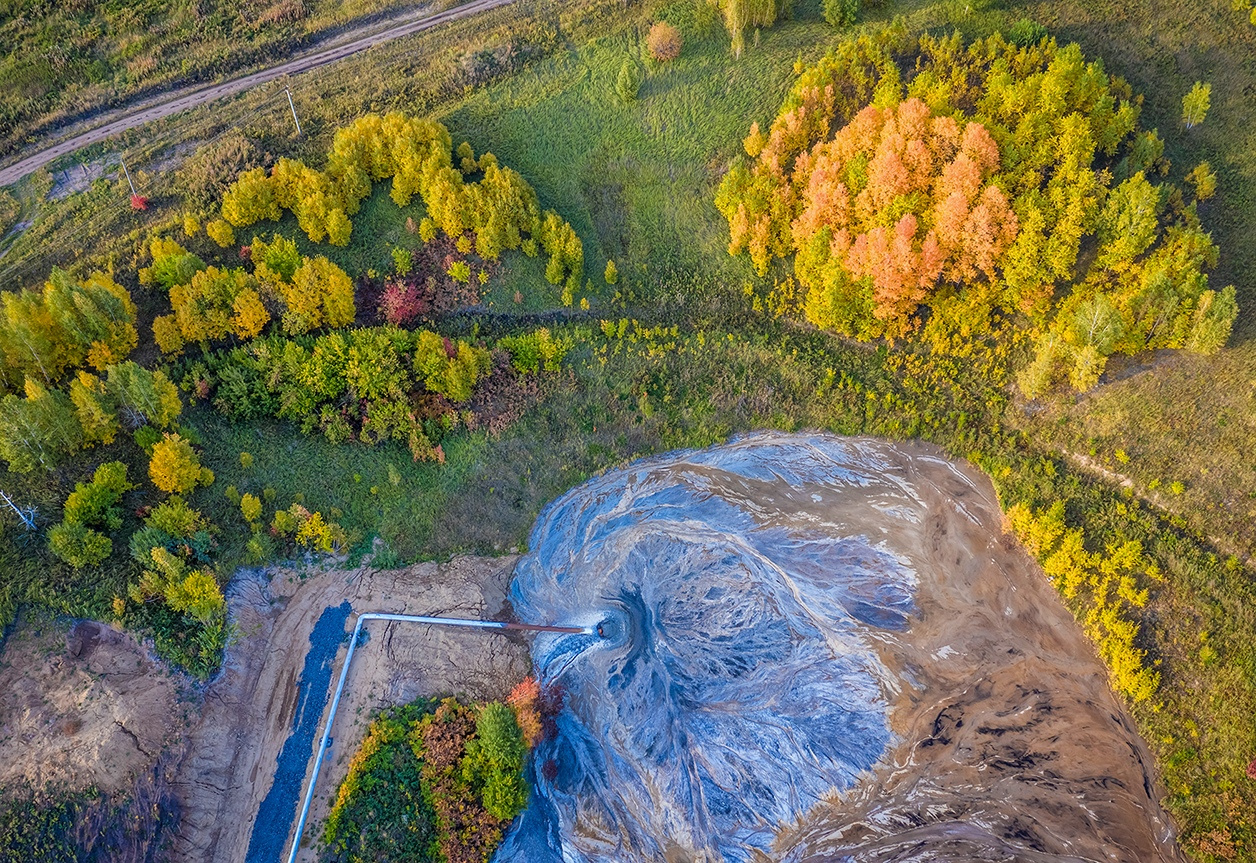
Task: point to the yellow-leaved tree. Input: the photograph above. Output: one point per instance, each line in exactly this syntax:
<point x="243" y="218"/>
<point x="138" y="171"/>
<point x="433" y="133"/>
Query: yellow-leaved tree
<point x="319" y="294"/>
<point x="175" y="468"/>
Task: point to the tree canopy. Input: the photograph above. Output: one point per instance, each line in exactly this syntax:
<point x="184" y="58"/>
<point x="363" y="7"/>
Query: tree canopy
<point x="964" y="181"/>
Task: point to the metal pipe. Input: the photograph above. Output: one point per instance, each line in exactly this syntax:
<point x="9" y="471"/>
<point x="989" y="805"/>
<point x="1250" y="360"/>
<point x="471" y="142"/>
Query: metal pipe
<point x="344" y="673"/>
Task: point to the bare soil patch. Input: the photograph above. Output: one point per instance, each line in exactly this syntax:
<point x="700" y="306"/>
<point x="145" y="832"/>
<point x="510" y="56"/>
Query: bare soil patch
<point x="83" y="705"/>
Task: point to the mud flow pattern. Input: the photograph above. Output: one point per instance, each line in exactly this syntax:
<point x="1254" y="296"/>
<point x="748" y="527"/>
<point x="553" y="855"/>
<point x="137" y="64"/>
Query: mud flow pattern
<point x="757" y="615"/>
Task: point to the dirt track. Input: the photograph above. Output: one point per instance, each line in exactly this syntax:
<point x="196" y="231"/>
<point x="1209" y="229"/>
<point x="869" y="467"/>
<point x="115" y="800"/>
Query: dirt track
<point x="181" y="100"/>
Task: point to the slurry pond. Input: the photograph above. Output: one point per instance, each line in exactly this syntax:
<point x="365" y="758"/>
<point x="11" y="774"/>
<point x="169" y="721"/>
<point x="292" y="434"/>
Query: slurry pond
<point x="816" y="649"/>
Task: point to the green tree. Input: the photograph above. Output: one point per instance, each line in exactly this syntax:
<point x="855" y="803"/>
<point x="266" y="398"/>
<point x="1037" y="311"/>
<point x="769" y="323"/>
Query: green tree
<point x="79" y="545"/>
<point x="628" y="82"/>
<point x="1212" y="322"/>
<point x="494" y="761"/>
<point x="1195" y="104"/>
<point x="96" y="503"/>
<point x="95" y="319"/>
<point x="145" y="397"/>
<point x="1128" y="222"/>
<point x="96" y="410"/>
<point x="38" y="430"/>
<point x="172" y="264"/>
<point x="841" y="13"/>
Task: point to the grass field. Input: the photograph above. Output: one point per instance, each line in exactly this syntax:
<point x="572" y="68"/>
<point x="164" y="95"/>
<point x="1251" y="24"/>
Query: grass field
<point x="637" y="181"/>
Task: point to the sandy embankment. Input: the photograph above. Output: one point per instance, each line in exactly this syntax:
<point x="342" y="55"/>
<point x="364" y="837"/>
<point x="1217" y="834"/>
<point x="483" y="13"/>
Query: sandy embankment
<point x="89" y="706"/>
<point x="83" y="705"/>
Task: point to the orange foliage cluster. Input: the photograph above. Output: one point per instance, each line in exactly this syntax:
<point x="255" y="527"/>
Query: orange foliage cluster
<point x="525" y="700"/>
<point x="664" y="42"/>
<point x="926" y="208"/>
<point x="899" y="197"/>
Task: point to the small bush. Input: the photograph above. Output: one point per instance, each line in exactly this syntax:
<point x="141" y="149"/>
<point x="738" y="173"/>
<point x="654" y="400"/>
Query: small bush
<point x="841" y="13"/>
<point x="250" y="508"/>
<point x="174" y="517"/>
<point x="531" y="352"/>
<point x="627" y="86"/>
<point x="79" y="545"/>
<point x="664" y="42"/>
<point x="1026" y="32"/>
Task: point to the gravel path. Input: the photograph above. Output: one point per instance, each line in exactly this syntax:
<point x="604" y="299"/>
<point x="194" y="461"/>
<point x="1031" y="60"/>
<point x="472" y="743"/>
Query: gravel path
<point x="182" y="100"/>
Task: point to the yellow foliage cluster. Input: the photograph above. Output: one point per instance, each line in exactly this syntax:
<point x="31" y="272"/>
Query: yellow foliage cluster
<point x="195" y="592"/>
<point x="175" y="467"/>
<point x="310" y="529"/>
<point x="319" y="294"/>
<point x="500" y="211"/>
<point x="1103" y="589"/>
<point x="210" y="303"/>
<point x="67" y="325"/>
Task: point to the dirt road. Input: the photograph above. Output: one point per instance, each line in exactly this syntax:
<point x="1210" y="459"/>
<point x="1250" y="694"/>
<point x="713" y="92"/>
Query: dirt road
<point x="181" y="100"/>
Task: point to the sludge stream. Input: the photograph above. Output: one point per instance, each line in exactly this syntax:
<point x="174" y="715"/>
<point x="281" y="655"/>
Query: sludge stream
<point x="816" y="649"/>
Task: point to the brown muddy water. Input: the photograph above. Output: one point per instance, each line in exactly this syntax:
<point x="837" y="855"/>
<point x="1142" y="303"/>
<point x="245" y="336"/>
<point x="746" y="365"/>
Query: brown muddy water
<point x="820" y="649"/>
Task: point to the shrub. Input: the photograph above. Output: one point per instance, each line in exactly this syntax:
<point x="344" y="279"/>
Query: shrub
<point x="79" y="545"/>
<point x="403" y="260"/>
<point x="401" y="303"/>
<point x="532" y="352"/>
<point x="628" y="82"/>
<point x="250" y="507"/>
<point x="841" y="13"/>
<point x="221" y="232"/>
<point x="175" y="518"/>
<point x="144" y="540"/>
<point x="612" y="273"/>
<point x="95" y="503"/>
<point x="175" y="467"/>
<point x="1026" y="32"/>
<point x="664" y="42"/>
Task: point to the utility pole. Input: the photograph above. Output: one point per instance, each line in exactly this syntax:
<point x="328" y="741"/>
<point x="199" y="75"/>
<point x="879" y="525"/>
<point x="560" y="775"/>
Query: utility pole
<point x="128" y="177"/>
<point x="293" y="106"/>
<point x="26" y="515"/>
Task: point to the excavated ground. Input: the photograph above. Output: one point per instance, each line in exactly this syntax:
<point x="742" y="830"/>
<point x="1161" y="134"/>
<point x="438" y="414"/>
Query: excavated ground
<point x="249" y="710"/>
<point x="84" y="705"/>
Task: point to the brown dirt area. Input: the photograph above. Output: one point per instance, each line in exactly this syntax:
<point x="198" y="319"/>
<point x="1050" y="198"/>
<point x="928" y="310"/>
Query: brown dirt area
<point x="82" y="704"/>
